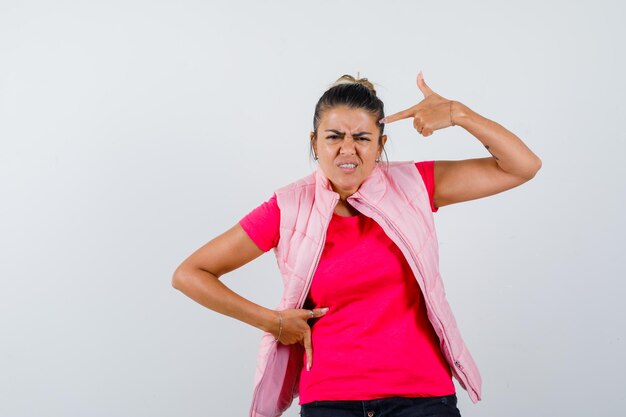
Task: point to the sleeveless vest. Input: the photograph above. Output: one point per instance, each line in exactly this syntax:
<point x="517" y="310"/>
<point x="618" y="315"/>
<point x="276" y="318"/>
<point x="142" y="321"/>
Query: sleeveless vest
<point x="396" y="198"/>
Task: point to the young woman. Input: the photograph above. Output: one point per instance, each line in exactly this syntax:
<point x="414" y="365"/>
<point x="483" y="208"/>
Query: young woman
<point x="363" y="327"/>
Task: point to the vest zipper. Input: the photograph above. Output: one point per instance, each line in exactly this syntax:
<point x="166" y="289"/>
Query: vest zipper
<point x="426" y="296"/>
<point x="317" y="257"/>
<point x="302" y="297"/>
<point x="309" y="280"/>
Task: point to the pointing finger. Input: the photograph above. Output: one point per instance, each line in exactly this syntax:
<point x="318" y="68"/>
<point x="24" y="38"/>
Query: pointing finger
<point x="318" y="312"/>
<point x="404" y="114"/>
<point x="421" y="84"/>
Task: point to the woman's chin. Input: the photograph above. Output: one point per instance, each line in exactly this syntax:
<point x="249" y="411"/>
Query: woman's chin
<point x="345" y="188"/>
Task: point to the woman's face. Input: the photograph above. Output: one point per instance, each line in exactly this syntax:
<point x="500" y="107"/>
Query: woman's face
<point x="347" y="146"/>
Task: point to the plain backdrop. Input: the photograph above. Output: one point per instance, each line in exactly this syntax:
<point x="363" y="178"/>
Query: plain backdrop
<point x="133" y="132"/>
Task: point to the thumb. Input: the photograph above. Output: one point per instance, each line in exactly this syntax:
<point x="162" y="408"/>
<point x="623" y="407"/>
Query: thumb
<point x="308" y="347"/>
<point x="421" y="84"/>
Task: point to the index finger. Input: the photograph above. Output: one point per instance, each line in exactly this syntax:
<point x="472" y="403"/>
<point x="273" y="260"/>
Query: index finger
<point x="317" y="312"/>
<point x="404" y="114"/>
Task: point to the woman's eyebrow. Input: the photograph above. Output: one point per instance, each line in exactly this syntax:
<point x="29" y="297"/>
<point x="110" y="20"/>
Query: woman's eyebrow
<point x="343" y="133"/>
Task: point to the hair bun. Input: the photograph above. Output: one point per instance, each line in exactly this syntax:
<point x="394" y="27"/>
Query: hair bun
<point x="349" y="79"/>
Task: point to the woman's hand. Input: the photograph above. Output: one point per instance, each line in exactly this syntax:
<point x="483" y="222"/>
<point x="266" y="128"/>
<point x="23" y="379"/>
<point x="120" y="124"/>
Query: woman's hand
<point x="511" y="163"/>
<point x="292" y="327"/>
<point x="432" y="113"/>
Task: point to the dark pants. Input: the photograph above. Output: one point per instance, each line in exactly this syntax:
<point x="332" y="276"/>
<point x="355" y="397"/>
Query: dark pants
<point x="444" y="406"/>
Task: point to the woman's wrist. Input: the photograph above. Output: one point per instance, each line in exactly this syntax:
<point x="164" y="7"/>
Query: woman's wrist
<point x="459" y="113"/>
<point x="270" y="322"/>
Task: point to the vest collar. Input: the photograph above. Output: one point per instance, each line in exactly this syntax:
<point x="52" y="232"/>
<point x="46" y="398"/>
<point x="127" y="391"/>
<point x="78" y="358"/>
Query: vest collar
<point x="371" y="190"/>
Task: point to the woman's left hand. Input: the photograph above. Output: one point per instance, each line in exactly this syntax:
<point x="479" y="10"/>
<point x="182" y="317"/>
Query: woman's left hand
<point x="511" y="163"/>
<point x="434" y="112"/>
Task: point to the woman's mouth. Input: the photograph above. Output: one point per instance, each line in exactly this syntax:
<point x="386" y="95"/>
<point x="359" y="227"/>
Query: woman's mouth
<point x="347" y="167"/>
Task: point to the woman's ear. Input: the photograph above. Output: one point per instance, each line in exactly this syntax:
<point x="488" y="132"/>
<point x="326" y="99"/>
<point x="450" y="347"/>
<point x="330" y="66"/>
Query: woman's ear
<point x="313" y="143"/>
<point x="383" y="140"/>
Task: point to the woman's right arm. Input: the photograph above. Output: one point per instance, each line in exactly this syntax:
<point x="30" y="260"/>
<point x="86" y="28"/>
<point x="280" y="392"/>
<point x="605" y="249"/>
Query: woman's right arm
<point x="198" y="278"/>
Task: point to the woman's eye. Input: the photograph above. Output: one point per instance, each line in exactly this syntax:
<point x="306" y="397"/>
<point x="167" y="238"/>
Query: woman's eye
<point x="355" y="137"/>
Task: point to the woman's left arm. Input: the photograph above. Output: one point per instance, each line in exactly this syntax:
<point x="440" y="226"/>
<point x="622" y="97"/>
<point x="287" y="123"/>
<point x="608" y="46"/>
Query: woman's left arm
<point x="511" y="162"/>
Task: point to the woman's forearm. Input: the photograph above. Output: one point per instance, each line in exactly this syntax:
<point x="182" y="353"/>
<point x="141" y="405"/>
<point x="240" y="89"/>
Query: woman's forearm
<point x="206" y="289"/>
<point x="511" y="154"/>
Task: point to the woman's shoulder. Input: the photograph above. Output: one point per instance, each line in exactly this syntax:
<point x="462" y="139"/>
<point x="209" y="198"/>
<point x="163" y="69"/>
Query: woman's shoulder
<point x="424" y="167"/>
<point x="304" y="182"/>
<point x="262" y="224"/>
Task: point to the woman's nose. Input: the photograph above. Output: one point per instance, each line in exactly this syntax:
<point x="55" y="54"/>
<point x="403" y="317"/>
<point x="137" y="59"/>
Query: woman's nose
<point x="348" y="145"/>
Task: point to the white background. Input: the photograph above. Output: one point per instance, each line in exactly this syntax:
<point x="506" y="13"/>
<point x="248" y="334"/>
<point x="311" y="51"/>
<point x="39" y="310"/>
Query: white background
<point x="132" y="132"/>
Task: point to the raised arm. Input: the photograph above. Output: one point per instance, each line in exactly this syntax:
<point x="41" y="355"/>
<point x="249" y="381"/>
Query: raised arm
<point x="511" y="162"/>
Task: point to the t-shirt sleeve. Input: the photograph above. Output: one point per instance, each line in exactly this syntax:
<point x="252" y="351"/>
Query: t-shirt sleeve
<point x="263" y="224"/>
<point x="427" y="170"/>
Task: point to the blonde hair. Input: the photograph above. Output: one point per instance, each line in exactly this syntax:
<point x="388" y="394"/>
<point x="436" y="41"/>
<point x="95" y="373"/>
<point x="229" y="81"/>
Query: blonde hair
<point x="349" y="79"/>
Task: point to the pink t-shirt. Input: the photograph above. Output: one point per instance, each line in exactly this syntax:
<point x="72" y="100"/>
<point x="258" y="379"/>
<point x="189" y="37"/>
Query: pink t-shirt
<point x="376" y="340"/>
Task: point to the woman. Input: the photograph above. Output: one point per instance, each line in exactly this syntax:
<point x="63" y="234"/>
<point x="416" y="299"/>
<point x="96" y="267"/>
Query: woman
<point x="363" y="327"/>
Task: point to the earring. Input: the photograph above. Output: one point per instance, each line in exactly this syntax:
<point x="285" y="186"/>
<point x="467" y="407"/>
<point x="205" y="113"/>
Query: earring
<point x="315" y="157"/>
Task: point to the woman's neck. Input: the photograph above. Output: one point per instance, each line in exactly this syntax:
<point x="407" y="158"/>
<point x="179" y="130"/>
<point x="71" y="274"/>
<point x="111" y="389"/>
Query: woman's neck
<point x="344" y="209"/>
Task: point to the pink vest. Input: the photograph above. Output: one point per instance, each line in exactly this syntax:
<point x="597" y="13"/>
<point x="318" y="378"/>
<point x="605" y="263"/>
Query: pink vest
<point x="397" y="200"/>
